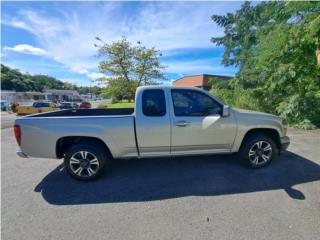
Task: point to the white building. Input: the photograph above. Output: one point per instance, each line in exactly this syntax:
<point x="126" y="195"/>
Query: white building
<point x="8" y="95"/>
<point x="48" y="95"/>
<point x="62" y="95"/>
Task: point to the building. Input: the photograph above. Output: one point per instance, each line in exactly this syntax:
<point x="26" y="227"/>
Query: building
<point x="8" y="95"/>
<point x="13" y="96"/>
<point x="62" y="95"/>
<point x="26" y="98"/>
<point x="200" y="81"/>
<point x="90" y="97"/>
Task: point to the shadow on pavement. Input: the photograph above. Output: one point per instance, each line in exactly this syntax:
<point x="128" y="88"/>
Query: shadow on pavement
<point x="164" y="178"/>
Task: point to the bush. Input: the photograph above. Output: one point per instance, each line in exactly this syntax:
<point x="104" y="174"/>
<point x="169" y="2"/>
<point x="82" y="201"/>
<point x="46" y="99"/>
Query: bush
<point x="302" y="112"/>
<point x="301" y="109"/>
<point x="238" y="98"/>
<point x="115" y="100"/>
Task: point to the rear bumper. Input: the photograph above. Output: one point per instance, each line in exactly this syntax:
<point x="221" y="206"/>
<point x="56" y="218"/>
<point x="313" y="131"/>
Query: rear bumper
<point x="22" y="154"/>
<point x="285" y="142"/>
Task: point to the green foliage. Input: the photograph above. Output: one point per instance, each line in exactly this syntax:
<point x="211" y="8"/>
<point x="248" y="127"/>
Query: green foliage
<point x="130" y="66"/>
<point x="275" y="46"/>
<point x="234" y="95"/>
<point x="303" y="112"/>
<point x="219" y="83"/>
<point x="93" y="90"/>
<point x="121" y="105"/>
<point x="119" y="89"/>
<point x="12" y="79"/>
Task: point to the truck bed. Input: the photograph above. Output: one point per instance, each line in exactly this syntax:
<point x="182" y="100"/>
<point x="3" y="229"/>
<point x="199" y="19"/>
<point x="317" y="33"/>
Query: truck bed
<point x="114" y="127"/>
<point x="86" y="112"/>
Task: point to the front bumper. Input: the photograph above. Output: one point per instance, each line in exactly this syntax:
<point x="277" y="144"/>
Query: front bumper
<point x="22" y="154"/>
<point x="285" y="142"/>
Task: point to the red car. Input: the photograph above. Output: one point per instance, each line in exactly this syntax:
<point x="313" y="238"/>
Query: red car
<point x="85" y="105"/>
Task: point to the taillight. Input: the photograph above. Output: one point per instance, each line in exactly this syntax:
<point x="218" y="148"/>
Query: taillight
<point x="17" y="133"/>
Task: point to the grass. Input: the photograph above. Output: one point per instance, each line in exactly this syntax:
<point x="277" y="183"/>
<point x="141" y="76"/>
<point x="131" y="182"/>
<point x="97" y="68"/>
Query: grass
<point x="121" y="105"/>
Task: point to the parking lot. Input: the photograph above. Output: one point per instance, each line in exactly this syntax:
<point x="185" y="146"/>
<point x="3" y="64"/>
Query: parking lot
<point x="209" y="197"/>
<point x="7" y="119"/>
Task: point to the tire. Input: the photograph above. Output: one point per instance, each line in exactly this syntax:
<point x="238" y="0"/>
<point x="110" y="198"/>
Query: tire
<point x="258" y="151"/>
<point x="85" y="161"/>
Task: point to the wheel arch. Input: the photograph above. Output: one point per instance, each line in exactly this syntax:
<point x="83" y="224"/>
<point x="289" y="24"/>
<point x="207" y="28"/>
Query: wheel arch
<point x="63" y="144"/>
<point x="270" y="132"/>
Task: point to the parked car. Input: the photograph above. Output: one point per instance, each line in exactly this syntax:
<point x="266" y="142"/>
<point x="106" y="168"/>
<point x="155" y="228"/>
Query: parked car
<point x="37" y="107"/>
<point x="68" y="105"/>
<point x="166" y="121"/>
<point x="4" y="105"/>
<point x="85" y="105"/>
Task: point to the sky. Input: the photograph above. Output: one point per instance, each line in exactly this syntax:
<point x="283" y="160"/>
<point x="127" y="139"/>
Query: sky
<point x="57" y="38"/>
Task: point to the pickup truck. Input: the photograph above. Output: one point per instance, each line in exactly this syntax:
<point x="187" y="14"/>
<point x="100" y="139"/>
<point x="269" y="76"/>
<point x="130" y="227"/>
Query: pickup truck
<point x="166" y="121"/>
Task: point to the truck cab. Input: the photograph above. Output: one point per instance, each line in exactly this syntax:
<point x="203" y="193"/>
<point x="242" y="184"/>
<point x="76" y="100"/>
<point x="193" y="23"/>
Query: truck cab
<point x="180" y="121"/>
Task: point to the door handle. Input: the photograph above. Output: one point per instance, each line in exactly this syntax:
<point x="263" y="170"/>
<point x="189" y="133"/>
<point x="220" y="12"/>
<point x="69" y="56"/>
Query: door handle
<point x="182" y="123"/>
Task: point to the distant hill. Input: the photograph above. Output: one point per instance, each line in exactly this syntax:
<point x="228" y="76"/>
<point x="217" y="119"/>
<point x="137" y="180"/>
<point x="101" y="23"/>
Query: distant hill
<point x="13" y="79"/>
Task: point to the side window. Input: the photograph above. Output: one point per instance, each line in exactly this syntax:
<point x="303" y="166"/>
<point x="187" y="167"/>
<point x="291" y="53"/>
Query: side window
<point x="153" y="103"/>
<point x="193" y="103"/>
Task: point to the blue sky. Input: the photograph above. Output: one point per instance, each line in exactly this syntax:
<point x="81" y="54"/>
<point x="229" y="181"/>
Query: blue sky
<point x="56" y="38"/>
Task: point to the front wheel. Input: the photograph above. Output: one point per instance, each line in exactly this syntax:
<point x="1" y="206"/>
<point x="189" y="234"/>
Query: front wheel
<point x="258" y="151"/>
<point x="85" y="161"/>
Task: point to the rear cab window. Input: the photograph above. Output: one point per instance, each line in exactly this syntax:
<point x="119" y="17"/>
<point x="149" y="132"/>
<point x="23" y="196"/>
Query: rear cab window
<point x="153" y="103"/>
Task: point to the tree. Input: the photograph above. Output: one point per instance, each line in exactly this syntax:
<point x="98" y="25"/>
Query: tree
<point x="96" y="90"/>
<point x="275" y="46"/>
<point x="42" y="82"/>
<point x="119" y="89"/>
<point x="129" y="66"/>
<point x="12" y="79"/>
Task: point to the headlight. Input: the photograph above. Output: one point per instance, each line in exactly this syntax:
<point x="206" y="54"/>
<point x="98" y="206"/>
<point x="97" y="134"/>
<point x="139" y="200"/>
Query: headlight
<point x="285" y="125"/>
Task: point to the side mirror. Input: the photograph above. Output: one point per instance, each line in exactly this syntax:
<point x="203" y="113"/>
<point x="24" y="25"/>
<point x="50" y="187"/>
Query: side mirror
<point x="225" y="111"/>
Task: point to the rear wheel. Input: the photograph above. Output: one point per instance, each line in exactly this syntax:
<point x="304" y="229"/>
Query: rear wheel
<point x="258" y="151"/>
<point x="85" y="161"/>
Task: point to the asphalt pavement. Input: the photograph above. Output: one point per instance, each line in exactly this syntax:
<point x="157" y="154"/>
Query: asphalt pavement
<point x="7" y="119"/>
<point x="204" y="197"/>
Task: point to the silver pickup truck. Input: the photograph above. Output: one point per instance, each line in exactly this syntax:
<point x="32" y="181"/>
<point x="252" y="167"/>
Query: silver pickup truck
<point x="166" y="121"/>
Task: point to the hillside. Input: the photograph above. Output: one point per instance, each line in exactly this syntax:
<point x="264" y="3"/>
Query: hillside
<point x="13" y="79"/>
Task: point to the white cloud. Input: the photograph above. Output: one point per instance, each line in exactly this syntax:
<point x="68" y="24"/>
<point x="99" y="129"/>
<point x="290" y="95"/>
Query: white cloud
<point x="83" y="71"/>
<point x="69" y="35"/>
<point x="27" y="49"/>
<point x="17" y="24"/>
<point x="95" y="75"/>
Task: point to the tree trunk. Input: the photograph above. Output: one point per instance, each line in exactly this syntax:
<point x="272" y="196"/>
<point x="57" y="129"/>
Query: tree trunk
<point x="318" y="56"/>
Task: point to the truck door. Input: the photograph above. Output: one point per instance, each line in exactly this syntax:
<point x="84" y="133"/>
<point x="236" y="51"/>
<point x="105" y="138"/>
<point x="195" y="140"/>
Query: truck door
<point x="153" y="122"/>
<point x="198" y="125"/>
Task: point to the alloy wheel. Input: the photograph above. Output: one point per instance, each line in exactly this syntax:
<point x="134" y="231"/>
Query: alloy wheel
<point x="84" y="164"/>
<point x="260" y="153"/>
